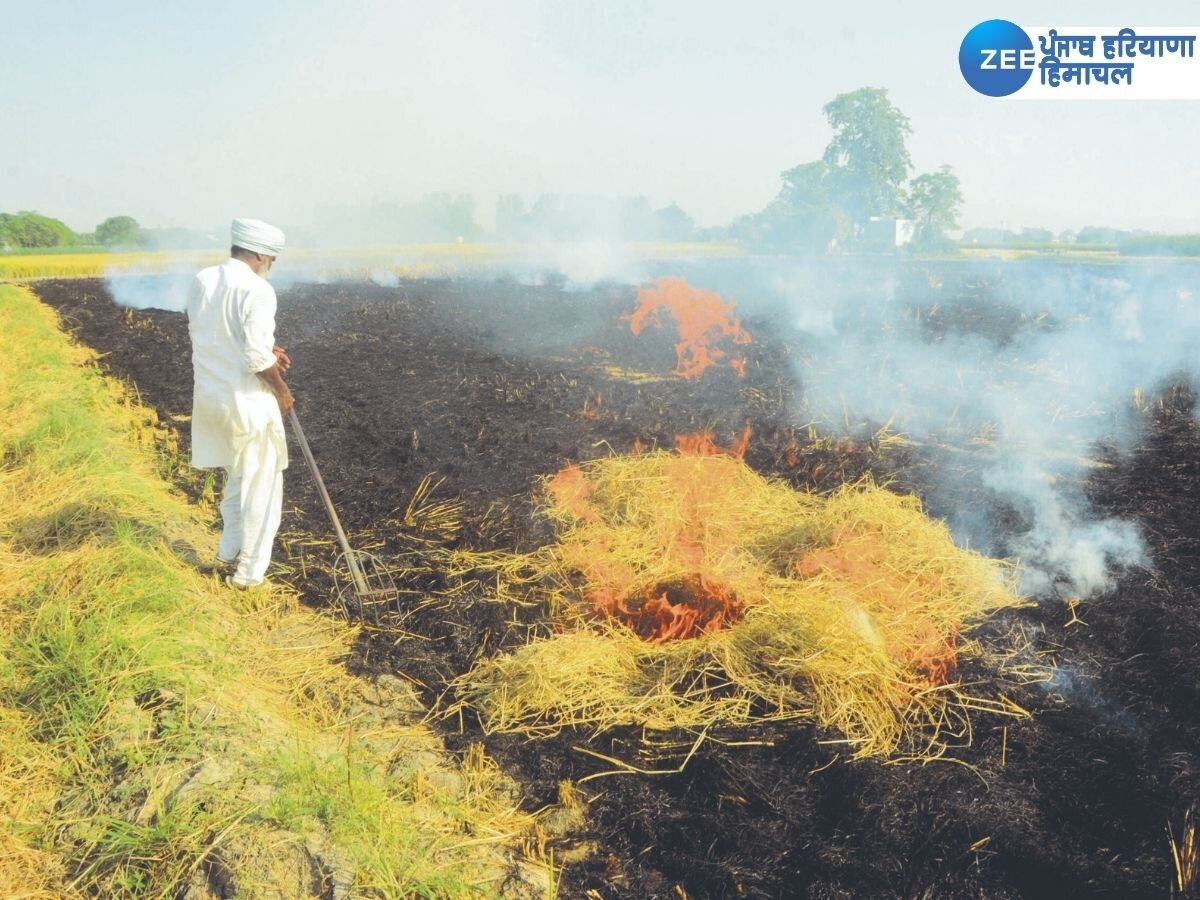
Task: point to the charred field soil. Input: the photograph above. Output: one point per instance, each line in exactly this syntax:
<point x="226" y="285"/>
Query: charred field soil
<point x="491" y="385"/>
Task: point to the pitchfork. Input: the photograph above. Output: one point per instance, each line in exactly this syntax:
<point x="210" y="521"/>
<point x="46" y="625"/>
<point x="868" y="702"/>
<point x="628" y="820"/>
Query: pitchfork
<point x="354" y="572"/>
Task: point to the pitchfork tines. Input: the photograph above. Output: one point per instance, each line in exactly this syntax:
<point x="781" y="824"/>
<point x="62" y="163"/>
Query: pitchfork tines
<point x="364" y="585"/>
<point x="365" y="589"/>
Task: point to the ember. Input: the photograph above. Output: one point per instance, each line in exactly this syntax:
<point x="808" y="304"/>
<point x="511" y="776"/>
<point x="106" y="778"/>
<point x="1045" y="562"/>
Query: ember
<point x="685" y="608"/>
<point x="702" y="443"/>
<point x="703" y="319"/>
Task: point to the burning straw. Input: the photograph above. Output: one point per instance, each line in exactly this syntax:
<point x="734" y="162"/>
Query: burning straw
<point x="704" y="320"/>
<point x="691" y="592"/>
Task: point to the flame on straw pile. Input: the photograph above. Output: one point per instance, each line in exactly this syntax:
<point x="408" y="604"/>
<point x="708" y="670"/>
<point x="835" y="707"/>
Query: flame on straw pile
<point x="703" y="443"/>
<point x="690" y="591"/>
<point x="703" y="319"/>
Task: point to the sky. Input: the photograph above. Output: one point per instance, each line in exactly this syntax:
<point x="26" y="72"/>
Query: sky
<point x="191" y="113"/>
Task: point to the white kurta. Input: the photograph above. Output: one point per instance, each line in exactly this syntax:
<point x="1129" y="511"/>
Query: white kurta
<point x="231" y="319"/>
<point x="236" y="424"/>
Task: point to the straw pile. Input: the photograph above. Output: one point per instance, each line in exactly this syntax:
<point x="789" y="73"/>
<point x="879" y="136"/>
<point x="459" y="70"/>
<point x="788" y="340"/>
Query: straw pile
<point x="690" y="592"/>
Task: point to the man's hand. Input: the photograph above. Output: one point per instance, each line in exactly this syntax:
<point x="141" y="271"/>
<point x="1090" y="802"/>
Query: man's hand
<point x="282" y="359"/>
<point x="274" y="378"/>
<point x="285" y="400"/>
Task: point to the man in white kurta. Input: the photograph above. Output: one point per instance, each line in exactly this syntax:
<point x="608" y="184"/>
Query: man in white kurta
<point x="239" y="396"/>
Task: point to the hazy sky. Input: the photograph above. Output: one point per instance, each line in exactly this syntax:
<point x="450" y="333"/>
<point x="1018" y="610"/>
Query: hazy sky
<point x="188" y="113"/>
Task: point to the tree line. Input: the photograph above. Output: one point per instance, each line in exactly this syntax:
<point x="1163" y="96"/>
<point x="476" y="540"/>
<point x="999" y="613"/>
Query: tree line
<point x="28" y="229"/>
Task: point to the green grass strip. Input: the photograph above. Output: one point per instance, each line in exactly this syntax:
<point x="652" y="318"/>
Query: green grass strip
<point x="157" y="729"/>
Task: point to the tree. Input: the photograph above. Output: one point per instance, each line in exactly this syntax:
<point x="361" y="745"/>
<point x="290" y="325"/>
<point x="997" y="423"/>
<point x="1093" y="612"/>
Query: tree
<point x="546" y="217"/>
<point x="988" y="236"/>
<point x="1093" y="234"/>
<point x="804" y="216"/>
<point x="29" y="229"/>
<point x="635" y="220"/>
<point x="934" y="200"/>
<point x="440" y="217"/>
<point x="867" y="154"/>
<point x="803" y="183"/>
<point x="510" y="217"/>
<point x="1036" y="235"/>
<point x="861" y="174"/>
<point x="671" y="223"/>
<point x="813" y="217"/>
<point x="118" y="231"/>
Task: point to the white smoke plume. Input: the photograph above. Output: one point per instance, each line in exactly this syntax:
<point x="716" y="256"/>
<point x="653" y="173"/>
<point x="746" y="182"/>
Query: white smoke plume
<point x="1019" y="389"/>
<point x="143" y="289"/>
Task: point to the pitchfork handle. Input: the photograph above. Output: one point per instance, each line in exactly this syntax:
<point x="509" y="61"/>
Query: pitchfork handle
<point x="360" y="584"/>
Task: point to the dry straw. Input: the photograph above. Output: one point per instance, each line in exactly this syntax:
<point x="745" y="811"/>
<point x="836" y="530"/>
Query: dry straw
<point x="155" y="726"/>
<point x="851" y="609"/>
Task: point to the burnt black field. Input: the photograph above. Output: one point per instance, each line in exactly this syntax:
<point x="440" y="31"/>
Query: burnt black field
<point x="491" y="384"/>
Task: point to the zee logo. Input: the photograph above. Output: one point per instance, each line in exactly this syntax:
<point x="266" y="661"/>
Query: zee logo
<point x="996" y="58"/>
<point x="1008" y="59"/>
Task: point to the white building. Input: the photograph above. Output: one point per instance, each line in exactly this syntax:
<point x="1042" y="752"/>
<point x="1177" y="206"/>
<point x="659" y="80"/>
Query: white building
<point x="884" y="232"/>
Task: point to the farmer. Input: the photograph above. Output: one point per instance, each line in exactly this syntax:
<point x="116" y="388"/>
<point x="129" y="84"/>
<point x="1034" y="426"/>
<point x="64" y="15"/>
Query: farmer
<point x="239" y="397"/>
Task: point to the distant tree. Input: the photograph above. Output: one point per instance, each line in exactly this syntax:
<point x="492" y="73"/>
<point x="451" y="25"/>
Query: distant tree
<point x="30" y="229"/>
<point x="812" y="217"/>
<point x="1142" y="243"/>
<point x="1067" y="236"/>
<point x="671" y="223"/>
<point x="868" y="157"/>
<point x="934" y="200"/>
<point x="777" y="228"/>
<point x="805" y="183"/>
<point x="635" y="221"/>
<point x="177" y="238"/>
<point x="439" y="216"/>
<point x="988" y="236"/>
<point x="1036" y="235"/>
<point x="1093" y="234"/>
<point x="118" y="231"/>
<point x="589" y="216"/>
<point x="510" y="217"/>
<point x="546" y="217"/>
<point x="435" y="217"/>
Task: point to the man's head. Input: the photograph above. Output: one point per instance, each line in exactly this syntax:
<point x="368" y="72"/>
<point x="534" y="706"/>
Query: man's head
<point x="259" y="263"/>
<point x="256" y="244"/>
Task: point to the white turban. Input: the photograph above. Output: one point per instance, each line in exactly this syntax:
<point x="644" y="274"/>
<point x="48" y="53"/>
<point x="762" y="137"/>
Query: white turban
<point x="257" y="237"/>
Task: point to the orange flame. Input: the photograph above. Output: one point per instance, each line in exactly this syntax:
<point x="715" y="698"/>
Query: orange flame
<point x="703" y="319"/>
<point x="687" y="608"/>
<point x="693" y="604"/>
<point x="792" y="450"/>
<point x="702" y="443"/>
<point x="570" y="490"/>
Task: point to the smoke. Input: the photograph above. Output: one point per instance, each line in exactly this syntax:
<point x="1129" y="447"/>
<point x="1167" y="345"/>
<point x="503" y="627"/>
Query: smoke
<point x="580" y="265"/>
<point x="1008" y="377"/>
<point x="139" y="289"/>
<point x="569" y="265"/>
<point x="1069" y="684"/>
